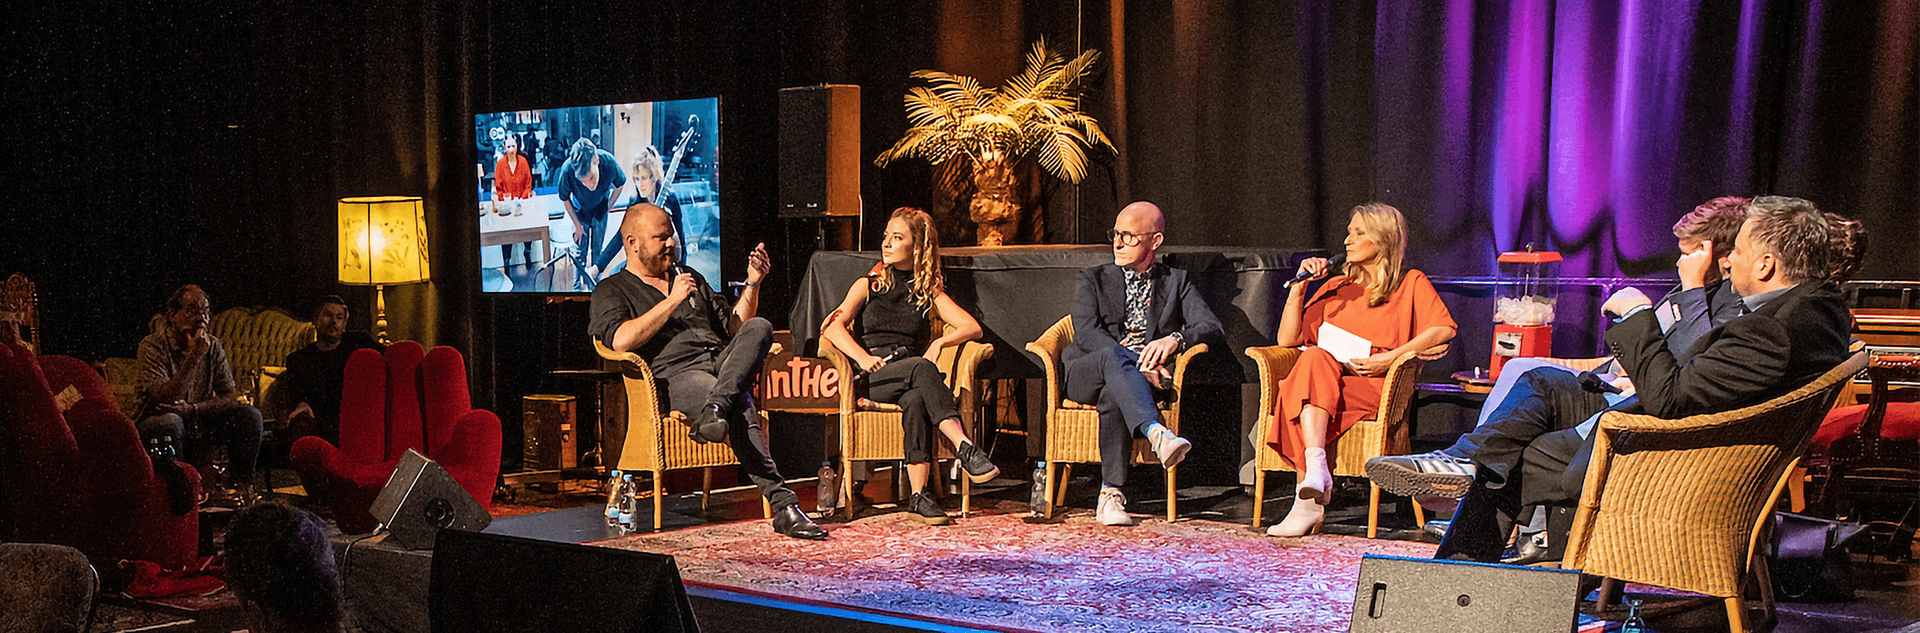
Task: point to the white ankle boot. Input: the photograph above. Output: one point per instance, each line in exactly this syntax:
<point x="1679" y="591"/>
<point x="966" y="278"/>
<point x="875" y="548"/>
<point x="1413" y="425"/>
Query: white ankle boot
<point x="1302" y="520"/>
<point x="1316" y="481"/>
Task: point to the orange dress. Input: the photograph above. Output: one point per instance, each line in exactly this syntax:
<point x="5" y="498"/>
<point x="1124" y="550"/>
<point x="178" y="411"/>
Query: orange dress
<point x="1319" y="380"/>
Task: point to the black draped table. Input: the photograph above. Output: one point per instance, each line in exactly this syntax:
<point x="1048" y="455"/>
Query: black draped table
<point x="1017" y="292"/>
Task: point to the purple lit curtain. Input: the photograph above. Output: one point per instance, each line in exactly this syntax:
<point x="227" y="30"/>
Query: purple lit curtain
<point x="1582" y="127"/>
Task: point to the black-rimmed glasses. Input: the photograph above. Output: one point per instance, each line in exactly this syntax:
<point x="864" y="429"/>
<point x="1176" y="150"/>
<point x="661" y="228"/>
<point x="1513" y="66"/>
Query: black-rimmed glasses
<point x="1127" y="239"/>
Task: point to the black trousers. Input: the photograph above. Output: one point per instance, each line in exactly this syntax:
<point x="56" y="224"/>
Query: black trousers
<point x="1526" y="453"/>
<point x="238" y="428"/>
<point x="726" y="381"/>
<point x="922" y="393"/>
<point x="1111" y="379"/>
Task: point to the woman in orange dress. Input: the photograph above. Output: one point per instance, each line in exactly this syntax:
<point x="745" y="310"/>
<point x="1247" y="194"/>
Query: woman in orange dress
<point x="1375" y="298"/>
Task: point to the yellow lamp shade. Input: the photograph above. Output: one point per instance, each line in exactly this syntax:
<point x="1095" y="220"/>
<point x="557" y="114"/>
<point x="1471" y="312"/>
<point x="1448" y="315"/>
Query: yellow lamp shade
<point x="383" y="240"/>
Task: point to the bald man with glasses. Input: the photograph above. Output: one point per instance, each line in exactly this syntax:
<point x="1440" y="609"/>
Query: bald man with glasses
<point x="1131" y="319"/>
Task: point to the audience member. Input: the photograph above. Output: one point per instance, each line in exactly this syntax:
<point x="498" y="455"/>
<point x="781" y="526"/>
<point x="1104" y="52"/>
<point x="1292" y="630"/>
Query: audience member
<point x="315" y="373"/>
<point x="280" y="564"/>
<point x="191" y="401"/>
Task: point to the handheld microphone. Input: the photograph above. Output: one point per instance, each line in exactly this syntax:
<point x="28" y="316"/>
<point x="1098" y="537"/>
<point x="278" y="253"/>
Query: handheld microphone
<point x="1337" y="261"/>
<point x="896" y="354"/>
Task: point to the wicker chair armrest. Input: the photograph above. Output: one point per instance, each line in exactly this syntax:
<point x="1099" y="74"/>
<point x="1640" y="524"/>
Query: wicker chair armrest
<point x="844" y="367"/>
<point x="1180" y="364"/>
<point x="967" y="368"/>
<point x="1617" y="421"/>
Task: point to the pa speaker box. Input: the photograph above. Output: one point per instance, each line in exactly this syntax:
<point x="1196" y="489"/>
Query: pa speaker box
<point x="487" y="583"/>
<point x="421" y="499"/>
<point x="1418" y="595"/>
<point x="819" y="151"/>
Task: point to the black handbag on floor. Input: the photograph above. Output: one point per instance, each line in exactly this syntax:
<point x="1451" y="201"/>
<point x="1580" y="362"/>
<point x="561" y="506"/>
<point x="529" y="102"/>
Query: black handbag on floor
<point x="1808" y="558"/>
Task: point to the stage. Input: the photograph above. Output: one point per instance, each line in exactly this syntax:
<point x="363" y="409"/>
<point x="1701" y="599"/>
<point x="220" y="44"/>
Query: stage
<point x="995" y="572"/>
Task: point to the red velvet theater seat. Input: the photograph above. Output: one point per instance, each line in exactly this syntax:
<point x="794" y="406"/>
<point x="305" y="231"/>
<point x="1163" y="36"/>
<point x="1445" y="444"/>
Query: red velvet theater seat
<point x="393" y="402"/>
<point x="81" y="478"/>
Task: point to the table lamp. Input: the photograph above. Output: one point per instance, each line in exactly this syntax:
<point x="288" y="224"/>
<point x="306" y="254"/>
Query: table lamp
<point x="383" y="241"/>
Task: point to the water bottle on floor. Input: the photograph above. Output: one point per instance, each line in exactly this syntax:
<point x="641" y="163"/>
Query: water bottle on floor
<point x="1040" y="489"/>
<point x="827" y="495"/>
<point x="627" y="502"/>
<point x="614" y="493"/>
<point x="1633" y="623"/>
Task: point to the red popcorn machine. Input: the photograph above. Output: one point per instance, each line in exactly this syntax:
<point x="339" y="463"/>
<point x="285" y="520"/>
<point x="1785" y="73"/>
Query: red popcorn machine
<point x="1523" y="307"/>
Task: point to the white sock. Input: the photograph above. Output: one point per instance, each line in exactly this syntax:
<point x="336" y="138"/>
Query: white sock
<point x="1104" y="488"/>
<point x="1316" y="455"/>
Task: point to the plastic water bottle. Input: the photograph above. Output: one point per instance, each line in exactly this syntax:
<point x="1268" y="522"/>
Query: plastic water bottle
<point x="1040" y="489"/>
<point x="827" y="495"/>
<point x="627" y="502"/>
<point x="1633" y="623"/>
<point x="615" y="491"/>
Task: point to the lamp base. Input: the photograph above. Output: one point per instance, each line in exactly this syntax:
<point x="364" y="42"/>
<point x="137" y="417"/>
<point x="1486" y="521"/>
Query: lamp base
<point x="380" y="314"/>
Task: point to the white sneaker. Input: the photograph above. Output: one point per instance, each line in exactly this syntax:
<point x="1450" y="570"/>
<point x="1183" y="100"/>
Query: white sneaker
<point x="1169" y="448"/>
<point x="1113" y="508"/>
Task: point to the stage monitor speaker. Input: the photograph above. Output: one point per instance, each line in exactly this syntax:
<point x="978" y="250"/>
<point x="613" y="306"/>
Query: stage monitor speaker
<point x="421" y="499"/>
<point x="820" y="151"/>
<point x="485" y="583"/>
<point x="1402" y="595"/>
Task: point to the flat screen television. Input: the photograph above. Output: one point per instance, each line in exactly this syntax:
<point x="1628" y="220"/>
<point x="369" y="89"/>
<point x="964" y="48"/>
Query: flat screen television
<point x="555" y="184"/>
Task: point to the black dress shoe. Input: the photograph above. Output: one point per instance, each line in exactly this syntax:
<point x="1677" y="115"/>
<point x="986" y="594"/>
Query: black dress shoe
<point x="1532" y="550"/>
<point x="791" y="521"/>
<point x="708" y="426"/>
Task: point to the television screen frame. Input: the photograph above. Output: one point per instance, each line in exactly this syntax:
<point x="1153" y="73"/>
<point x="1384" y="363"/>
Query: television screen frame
<point x="685" y="136"/>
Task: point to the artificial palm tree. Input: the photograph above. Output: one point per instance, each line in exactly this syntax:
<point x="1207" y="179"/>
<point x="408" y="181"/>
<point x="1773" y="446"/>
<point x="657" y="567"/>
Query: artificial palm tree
<point x="981" y="134"/>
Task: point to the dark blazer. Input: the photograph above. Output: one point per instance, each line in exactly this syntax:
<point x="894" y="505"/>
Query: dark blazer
<point x="1791" y="340"/>
<point x="1100" y="310"/>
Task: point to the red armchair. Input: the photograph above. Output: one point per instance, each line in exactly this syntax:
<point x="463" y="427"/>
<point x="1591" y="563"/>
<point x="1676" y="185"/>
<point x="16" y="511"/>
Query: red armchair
<point x="394" y="402"/>
<point x="82" y="478"/>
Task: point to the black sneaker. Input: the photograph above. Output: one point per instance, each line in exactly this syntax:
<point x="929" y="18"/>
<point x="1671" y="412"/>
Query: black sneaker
<point x="922" y="508"/>
<point x="979" y="468"/>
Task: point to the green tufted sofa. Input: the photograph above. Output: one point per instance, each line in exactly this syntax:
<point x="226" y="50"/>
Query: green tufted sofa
<point x="258" y="341"/>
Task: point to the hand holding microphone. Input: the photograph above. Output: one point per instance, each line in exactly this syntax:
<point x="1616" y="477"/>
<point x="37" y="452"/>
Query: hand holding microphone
<point x="1315" y="268"/>
<point x="683" y="283"/>
<point x="896" y="354"/>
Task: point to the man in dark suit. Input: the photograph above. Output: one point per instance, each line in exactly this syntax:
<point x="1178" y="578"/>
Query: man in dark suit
<point x="1796" y="328"/>
<point x="1131" y="319"/>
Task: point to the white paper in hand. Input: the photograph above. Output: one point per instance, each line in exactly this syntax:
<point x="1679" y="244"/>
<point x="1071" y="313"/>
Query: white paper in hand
<point x="1343" y="345"/>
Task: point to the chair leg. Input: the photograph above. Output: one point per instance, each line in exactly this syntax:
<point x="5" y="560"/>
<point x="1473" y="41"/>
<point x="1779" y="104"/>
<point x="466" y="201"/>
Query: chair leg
<point x="966" y="495"/>
<point x="706" y="487"/>
<point x="1259" y="495"/>
<point x="1419" y="514"/>
<point x="1373" y="511"/>
<point x="846" y="487"/>
<point x="1172" y="497"/>
<point x="1737" y="614"/>
<point x="1066" y="473"/>
<point x="1609" y="592"/>
<point x="1763" y="583"/>
<point x="1052" y="473"/>
<point x="659" y="500"/>
<point x="766" y="507"/>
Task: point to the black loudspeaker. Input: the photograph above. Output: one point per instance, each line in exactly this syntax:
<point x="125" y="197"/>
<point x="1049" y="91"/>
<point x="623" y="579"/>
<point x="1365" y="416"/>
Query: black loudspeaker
<point x="819" y="151"/>
<point x="1419" y="595"/>
<point x="421" y="499"/>
<point x="488" y="583"/>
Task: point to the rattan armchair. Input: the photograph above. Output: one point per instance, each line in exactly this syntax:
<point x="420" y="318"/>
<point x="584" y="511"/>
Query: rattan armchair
<point x="1073" y="428"/>
<point x="1685" y="503"/>
<point x="871" y="430"/>
<point x="1385" y="433"/>
<point x="657" y="441"/>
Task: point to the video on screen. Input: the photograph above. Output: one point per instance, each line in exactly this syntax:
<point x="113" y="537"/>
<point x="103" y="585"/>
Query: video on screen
<point x="556" y="183"/>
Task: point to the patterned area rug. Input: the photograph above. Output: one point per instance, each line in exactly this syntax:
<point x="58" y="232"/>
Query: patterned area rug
<point x="1001" y="573"/>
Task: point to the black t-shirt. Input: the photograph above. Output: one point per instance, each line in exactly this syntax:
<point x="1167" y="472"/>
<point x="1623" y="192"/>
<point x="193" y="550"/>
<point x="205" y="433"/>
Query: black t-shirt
<point x="890" y="319"/>
<point x="317" y="377"/>
<point x="689" y="339"/>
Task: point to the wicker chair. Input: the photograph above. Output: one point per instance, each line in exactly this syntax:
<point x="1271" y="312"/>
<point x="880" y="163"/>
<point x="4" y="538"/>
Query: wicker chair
<point x="1073" y="429"/>
<point x="657" y="442"/>
<point x="1385" y="433"/>
<point x="871" y="430"/>
<point x="1686" y="503"/>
